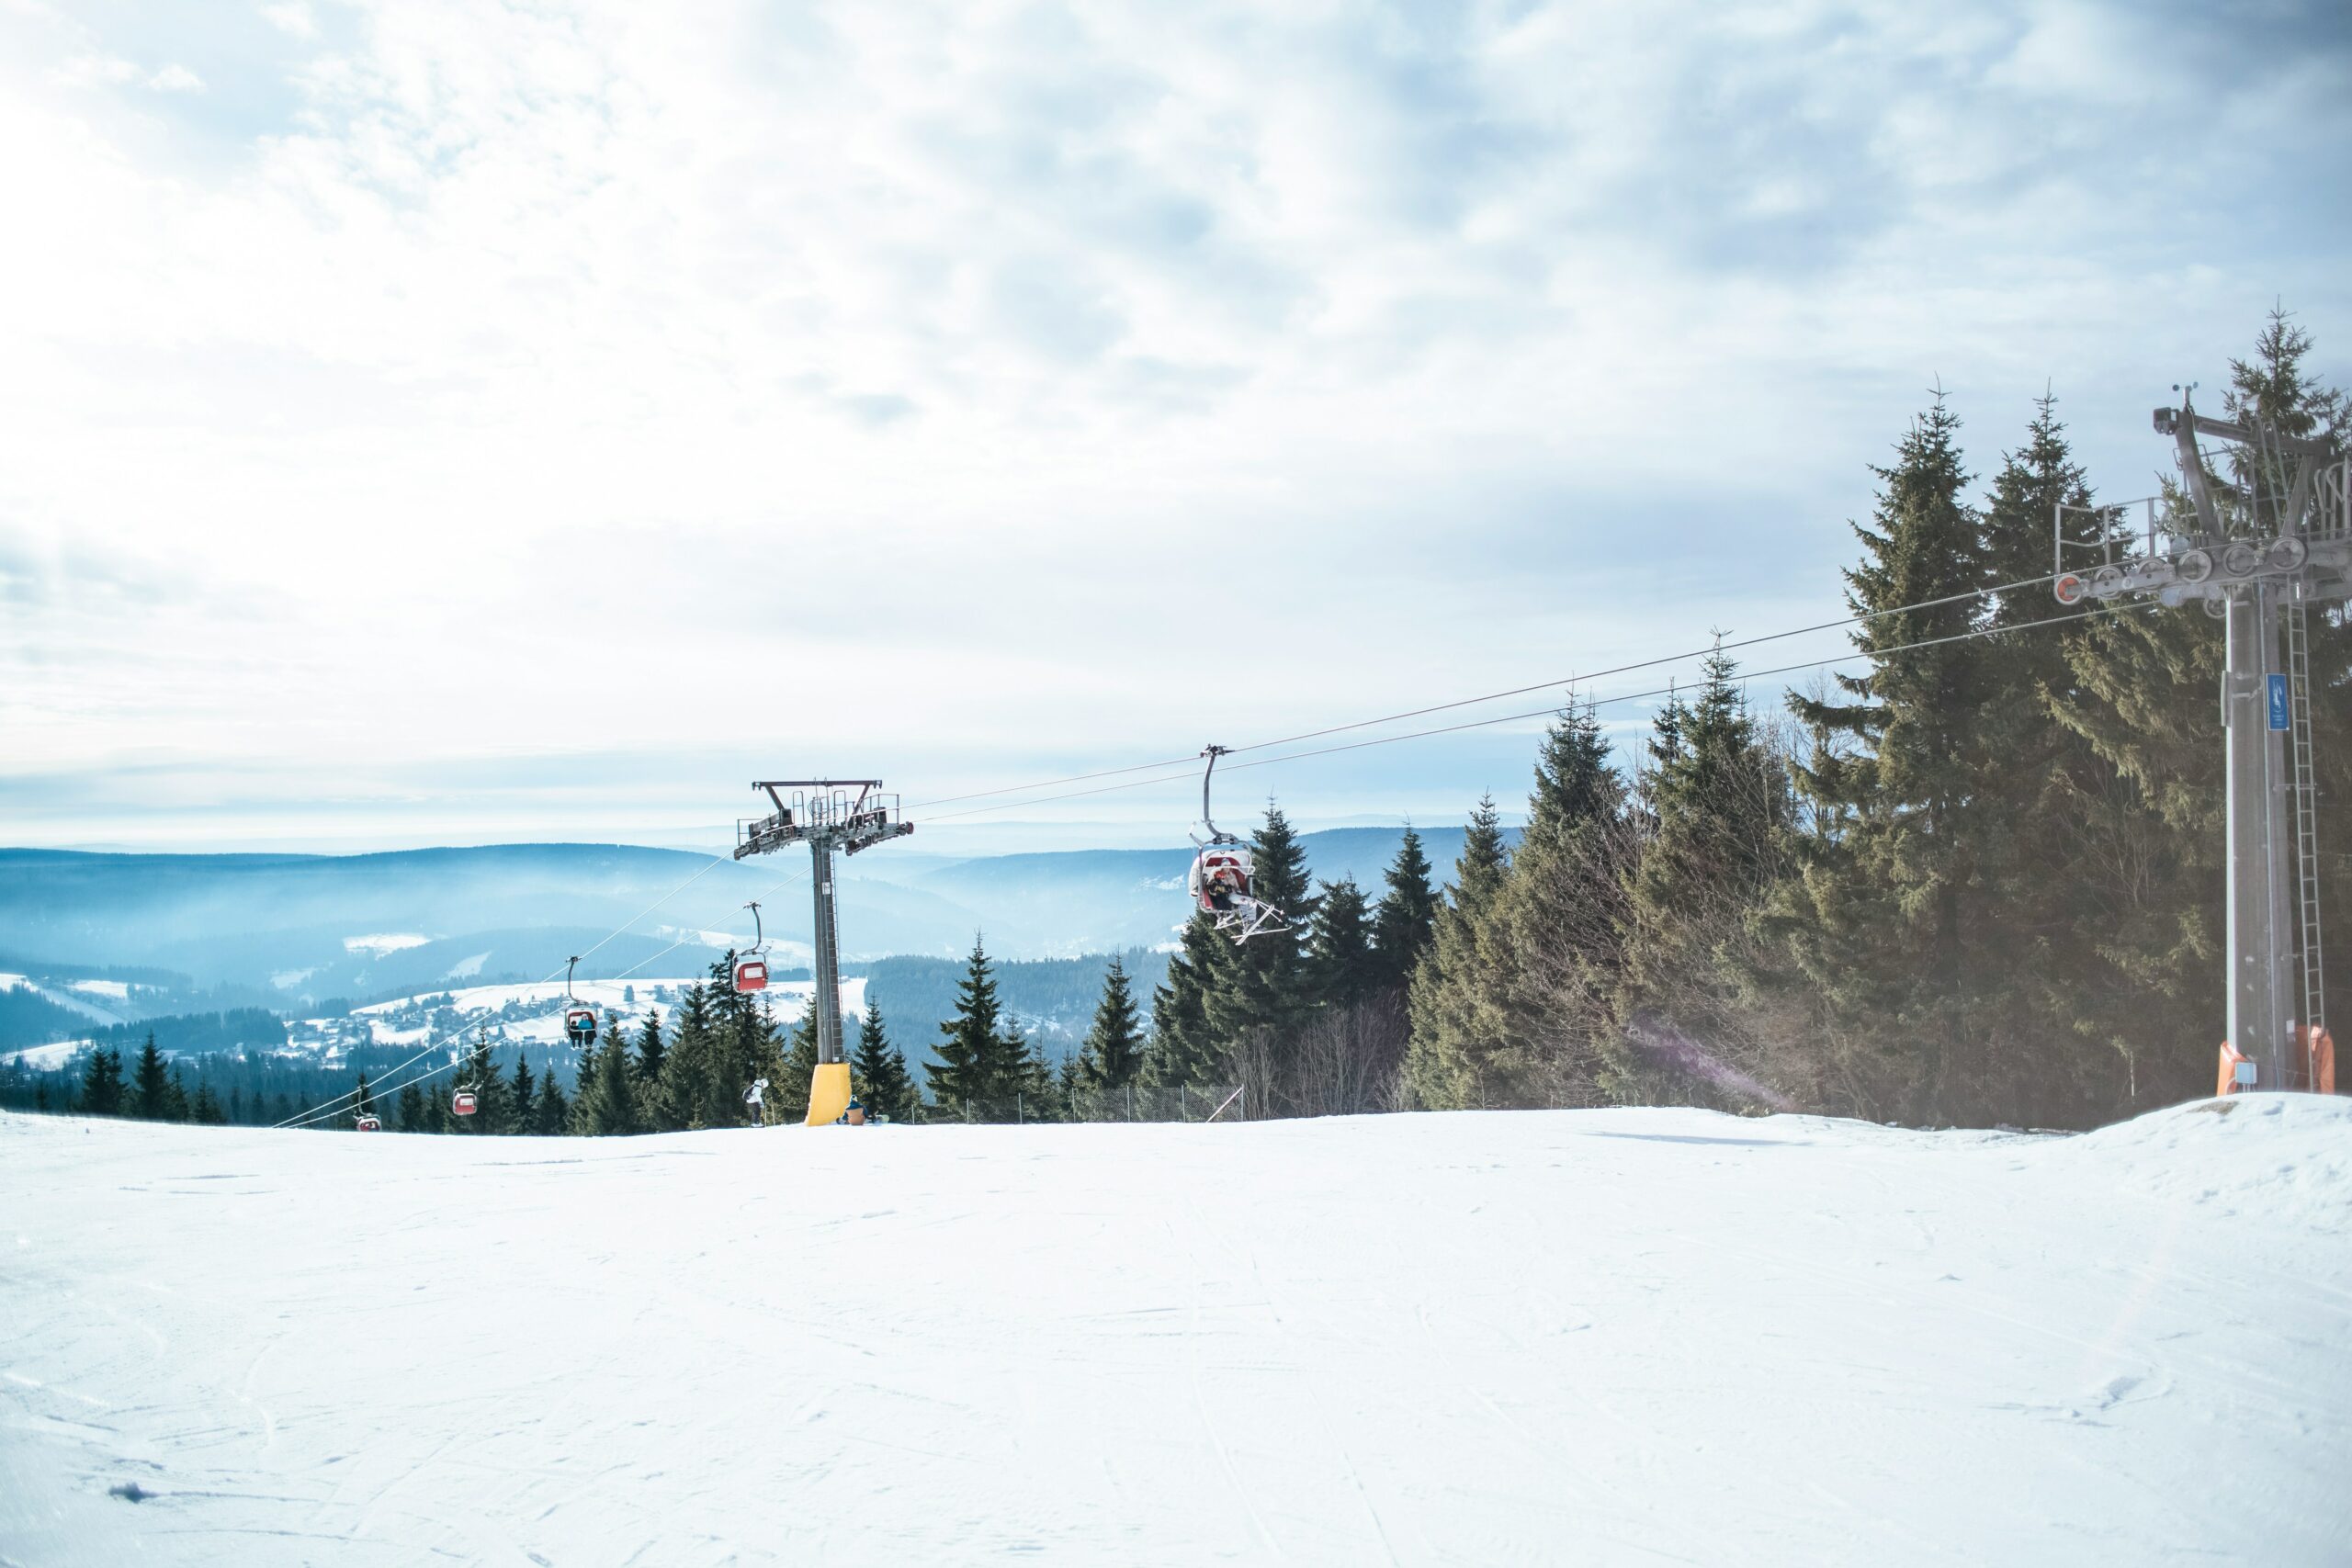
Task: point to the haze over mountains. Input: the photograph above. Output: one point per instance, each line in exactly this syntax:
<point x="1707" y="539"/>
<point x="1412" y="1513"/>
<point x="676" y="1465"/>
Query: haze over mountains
<point x="298" y="929"/>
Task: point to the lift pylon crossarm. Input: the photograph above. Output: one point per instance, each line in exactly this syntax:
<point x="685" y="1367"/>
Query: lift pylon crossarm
<point x="2171" y="422"/>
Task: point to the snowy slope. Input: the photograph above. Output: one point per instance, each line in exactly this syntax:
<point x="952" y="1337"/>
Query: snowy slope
<point x="1589" y="1338"/>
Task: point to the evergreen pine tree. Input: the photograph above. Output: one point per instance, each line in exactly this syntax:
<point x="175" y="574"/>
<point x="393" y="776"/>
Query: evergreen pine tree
<point x="692" y="1091"/>
<point x="1264" y="988"/>
<point x="554" y="1115"/>
<point x="1452" y="998"/>
<point x="791" y="1085"/>
<point x="415" y="1116"/>
<point x="2060" y="1033"/>
<point x="522" y="1097"/>
<point x="1721" y="810"/>
<point x="1550" y="945"/>
<point x="607" y="1104"/>
<point x="747" y="1044"/>
<point x="175" y="1099"/>
<point x="981" y="1063"/>
<point x="206" y="1111"/>
<point x="1406" y="917"/>
<point x="1112" y="1053"/>
<point x="1343" y="971"/>
<point x="102" y="1088"/>
<point x="649" y="1048"/>
<point x="1892" y="938"/>
<point x="879" y="1070"/>
<point x="1185" y="1049"/>
<point x="151" y="1084"/>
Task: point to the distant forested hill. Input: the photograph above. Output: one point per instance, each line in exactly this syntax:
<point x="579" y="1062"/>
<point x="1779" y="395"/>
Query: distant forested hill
<point x="189" y="1035"/>
<point x="27" y="1018"/>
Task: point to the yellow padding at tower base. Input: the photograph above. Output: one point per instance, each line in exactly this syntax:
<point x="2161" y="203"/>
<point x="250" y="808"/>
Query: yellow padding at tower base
<point x="828" y="1093"/>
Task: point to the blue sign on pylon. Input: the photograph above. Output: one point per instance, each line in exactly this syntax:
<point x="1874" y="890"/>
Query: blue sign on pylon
<point x="2278" y="701"/>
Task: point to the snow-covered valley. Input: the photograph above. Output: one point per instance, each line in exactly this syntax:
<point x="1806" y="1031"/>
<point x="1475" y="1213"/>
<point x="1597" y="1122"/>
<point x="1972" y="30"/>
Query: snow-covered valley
<point x="1598" y="1337"/>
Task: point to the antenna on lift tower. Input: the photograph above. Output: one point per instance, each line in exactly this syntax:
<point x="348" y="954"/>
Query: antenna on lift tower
<point x="822" y="814"/>
<point x="2257" y="550"/>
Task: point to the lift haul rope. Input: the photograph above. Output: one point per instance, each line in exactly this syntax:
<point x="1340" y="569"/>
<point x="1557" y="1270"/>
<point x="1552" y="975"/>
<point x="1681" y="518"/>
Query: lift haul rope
<point x="348" y="1100"/>
<point x="1187" y="763"/>
<point x="1190" y="771"/>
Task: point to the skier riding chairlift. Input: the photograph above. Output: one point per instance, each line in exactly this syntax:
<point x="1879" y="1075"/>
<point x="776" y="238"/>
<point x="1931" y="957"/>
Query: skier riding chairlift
<point x="579" y="1018"/>
<point x="1223" y="878"/>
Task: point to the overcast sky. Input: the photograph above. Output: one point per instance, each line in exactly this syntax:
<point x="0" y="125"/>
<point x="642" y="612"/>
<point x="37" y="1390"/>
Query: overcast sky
<point x="459" y="423"/>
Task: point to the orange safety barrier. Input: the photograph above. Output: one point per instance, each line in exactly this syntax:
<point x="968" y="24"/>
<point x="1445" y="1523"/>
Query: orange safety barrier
<point x="2315" y="1061"/>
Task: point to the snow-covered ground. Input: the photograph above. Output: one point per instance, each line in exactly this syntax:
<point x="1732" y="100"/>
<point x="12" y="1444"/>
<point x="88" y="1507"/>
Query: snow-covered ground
<point x="1554" y="1337"/>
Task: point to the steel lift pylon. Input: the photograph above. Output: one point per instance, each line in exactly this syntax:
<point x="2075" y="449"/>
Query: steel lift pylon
<point x="2258" y="550"/>
<point x="822" y="814"/>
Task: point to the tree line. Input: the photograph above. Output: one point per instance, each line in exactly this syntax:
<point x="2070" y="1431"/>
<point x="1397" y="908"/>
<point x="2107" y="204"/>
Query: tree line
<point x="1978" y="880"/>
<point x="1975" y="881"/>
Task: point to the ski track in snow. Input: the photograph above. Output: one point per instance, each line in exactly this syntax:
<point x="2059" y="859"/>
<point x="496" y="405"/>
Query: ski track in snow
<point x="1630" y="1337"/>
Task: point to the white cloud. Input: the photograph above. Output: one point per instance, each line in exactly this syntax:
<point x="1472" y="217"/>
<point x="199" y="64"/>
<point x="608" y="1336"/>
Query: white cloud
<point x="174" y="79"/>
<point x="531" y="362"/>
<point x="292" y="18"/>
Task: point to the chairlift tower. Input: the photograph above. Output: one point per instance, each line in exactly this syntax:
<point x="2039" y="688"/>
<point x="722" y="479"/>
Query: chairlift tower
<point x="822" y="814"/>
<point x="2257" y="550"/>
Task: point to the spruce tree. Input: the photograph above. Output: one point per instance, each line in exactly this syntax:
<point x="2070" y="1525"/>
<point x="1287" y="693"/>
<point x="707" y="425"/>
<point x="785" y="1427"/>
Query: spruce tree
<point x="151" y="1084"/>
<point x="692" y="1092"/>
<point x="608" y="1103"/>
<point x="1550" y="946"/>
<point x="553" y="1117"/>
<point x="1343" y="971"/>
<point x="2061" y="1030"/>
<point x="102" y="1088"/>
<point x="650" y="1047"/>
<point x="879" y="1070"/>
<point x="795" y="1079"/>
<point x="747" y="1044"/>
<point x="1266" y="984"/>
<point x="1406" y="920"/>
<point x="981" y="1063"/>
<point x="1184" y="1050"/>
<point x="415" y="1115"/>
<point x="1721" y="811"/>
<point x="1891" y="938"/>
<point x="1112" y="1053"/>
<point x="206" y="1111"/>
<point x="522" y="1097"/>
<point x="1453" y="996"/>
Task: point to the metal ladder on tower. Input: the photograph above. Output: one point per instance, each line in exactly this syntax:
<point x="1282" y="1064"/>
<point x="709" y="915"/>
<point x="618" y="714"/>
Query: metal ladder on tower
<point x="2302" y="775"/>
